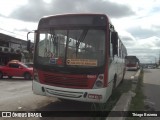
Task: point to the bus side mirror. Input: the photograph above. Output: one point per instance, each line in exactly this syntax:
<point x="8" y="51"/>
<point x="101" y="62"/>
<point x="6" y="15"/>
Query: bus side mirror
<point x="29" y="41"/>
<point x="114" y="41"/>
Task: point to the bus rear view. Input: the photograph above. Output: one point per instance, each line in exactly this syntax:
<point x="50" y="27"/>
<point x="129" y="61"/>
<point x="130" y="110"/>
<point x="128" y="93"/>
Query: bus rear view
<point x="70" y="57"/>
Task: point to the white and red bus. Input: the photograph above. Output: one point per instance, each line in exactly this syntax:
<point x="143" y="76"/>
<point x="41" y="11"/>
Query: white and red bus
<point x="132" y="63"/>
<point x="77" y="57"/>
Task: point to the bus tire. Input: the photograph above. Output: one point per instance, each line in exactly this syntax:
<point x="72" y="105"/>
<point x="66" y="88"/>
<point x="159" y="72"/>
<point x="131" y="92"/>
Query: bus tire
<point x="114" y="83"/>
<point x="98" y="106"/>
<point x="65" y="100"/>
<point x="10" y="77"/>
<point x="123" y="77"/>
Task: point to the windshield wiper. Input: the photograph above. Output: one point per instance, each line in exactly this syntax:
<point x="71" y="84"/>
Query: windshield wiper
<point x="81" y="39"/>
<point x="53" y="37"/>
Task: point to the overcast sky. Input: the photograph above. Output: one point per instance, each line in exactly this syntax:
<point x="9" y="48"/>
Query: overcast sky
<point x="137" y="21"/>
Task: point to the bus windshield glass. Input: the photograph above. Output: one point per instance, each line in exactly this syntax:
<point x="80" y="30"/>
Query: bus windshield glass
<point x="71" y="47"/>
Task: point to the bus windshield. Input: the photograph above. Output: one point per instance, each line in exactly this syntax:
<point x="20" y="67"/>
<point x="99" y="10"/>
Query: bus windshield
<point x="71" y="47"/>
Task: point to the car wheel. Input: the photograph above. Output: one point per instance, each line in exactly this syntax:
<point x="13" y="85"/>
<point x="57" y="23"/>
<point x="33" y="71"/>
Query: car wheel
<point x="10" y="77"/>
<point x="1" y="75"/>
<point x="27" y="76"/>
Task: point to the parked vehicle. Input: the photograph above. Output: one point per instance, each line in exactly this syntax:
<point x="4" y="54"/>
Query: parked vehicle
<point x="30" y="64"/>
<point x="16" y="68"/>
<point x="150" y="66"/>
<point x="132" y="63"/>
<point x="77" y="57"/>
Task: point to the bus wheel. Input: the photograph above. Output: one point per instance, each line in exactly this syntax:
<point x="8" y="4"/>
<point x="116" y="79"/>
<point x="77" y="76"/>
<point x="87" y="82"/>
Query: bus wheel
<point x="1" y="75"/>
<point x="64" y="100"/>
<point x="114" y="83"/>
<point x="98" y="106"/>
<point x="123" y="77"/>
<point x="10" y="77"/>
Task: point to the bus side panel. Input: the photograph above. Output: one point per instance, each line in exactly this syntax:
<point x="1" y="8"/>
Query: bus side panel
<point x="116" y="68"/>
<point x="121" y="70"/>
<point x="111" y="74"/>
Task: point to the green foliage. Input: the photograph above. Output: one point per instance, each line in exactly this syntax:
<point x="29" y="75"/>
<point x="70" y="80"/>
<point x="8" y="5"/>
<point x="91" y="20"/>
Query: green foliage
<point x="137" y="103"/>
<point x="122" y="88"/>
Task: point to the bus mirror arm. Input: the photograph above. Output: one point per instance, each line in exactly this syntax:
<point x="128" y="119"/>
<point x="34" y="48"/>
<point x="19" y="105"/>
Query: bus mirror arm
<point x="33" y="31"/>
<point x="29" y="41"/>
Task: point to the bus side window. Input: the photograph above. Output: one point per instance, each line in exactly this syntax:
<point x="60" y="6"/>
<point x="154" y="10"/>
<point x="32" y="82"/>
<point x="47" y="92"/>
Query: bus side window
<point x="114" y="41"/>
<point x="111" y="47"/>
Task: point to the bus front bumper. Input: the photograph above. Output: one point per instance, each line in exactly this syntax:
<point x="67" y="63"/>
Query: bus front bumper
<point x="131" y="68"/>
<point x="85" y="95"/>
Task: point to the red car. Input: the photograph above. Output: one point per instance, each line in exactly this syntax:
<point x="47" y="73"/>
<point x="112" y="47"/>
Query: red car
<point x="16" y="68"/>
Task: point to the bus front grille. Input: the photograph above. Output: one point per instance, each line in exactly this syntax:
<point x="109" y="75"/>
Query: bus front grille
<point x="66" y="81"/>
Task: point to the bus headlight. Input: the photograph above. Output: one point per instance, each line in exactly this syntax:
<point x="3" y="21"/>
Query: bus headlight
<point x="99" y="83"/>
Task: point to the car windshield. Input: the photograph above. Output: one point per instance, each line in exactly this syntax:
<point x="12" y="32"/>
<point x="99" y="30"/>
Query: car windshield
<point x="24" y="65"/>
<point x="72" y="48"/>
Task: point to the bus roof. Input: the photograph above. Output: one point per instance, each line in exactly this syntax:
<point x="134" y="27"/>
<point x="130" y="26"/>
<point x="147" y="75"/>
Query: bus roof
<point x="131" y="57"/>
<point x="73" y="20"/>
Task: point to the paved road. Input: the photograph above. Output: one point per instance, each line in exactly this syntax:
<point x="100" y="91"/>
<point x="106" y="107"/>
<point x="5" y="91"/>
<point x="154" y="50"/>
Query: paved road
<point x="151" y="88"/>
<point x="130" y="74"/>
<point x="16" y="95"/>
